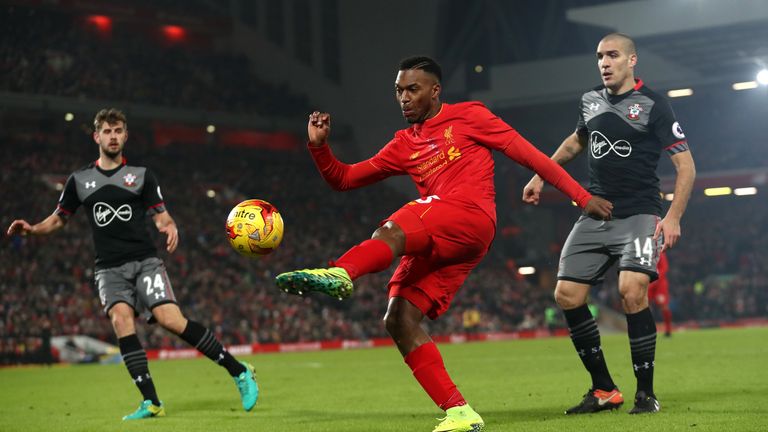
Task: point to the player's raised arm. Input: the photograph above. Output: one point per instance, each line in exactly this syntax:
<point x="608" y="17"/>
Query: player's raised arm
<point x="340" y="176"/>
<point x="318" y="128"/>
<point x="50" y="224"/>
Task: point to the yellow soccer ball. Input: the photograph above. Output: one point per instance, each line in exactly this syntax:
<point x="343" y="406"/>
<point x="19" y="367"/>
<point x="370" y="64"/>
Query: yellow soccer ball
<point x="254" y="228"/>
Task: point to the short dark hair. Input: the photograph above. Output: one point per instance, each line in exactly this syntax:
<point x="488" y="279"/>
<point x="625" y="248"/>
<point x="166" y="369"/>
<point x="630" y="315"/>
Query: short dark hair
<point x="110" y="116"/>
<point x="627" y="41"/>
<point x="427" y="64"/>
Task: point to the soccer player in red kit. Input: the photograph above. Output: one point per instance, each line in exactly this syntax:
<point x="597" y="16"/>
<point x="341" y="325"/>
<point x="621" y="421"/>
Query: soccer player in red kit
<point x="441" y="236"/>
<point x="658" y="293"/>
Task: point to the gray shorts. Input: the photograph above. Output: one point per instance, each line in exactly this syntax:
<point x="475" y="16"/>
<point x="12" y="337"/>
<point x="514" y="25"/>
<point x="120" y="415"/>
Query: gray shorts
<point x="594" y="245"/>
<point x="141" y="284"/>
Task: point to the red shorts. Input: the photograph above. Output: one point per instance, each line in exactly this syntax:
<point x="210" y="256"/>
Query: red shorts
<point x="658" y="291"/>
<point x="444" y="241"/>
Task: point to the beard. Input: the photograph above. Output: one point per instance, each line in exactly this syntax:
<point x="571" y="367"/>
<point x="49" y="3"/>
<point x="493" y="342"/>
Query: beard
<point x="111" y="153"/>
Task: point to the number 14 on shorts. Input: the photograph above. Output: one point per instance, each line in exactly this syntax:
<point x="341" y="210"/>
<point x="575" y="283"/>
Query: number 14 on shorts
<point x="646" y="252"/>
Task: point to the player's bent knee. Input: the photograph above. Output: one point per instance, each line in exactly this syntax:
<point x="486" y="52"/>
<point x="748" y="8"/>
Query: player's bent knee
<point x="169" y="316"/>
<point x="634" y="300"/>
<point x="401" y="320"/>
<point x="394" y="324"/>
<point x="121" y="317"/>
<point x="416" y="240"/>
<point x="392" y="235"/>
<point x="570" y="295"/>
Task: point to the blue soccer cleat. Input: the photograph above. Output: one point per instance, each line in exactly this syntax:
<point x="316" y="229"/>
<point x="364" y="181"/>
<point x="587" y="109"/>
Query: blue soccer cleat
<point x="146" y="410"/>
<point x="247" y="386"/>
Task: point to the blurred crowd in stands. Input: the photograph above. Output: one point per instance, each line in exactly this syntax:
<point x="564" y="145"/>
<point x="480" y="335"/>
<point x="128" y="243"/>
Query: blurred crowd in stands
<point x="58" y="53"/>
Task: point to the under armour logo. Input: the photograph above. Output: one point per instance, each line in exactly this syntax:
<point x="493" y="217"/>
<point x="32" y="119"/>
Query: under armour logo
<point x="645" y="261"/>
<point x="594" y="106"/>
<point x="103" y="213"/>
<point x="90" y="184"/>
<point x="600" y="146"/>
<point x="645" y="365"/>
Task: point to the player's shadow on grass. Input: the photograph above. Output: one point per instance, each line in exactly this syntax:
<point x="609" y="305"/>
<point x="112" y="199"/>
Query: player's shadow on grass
<point x="517" y="415"/>
<point x="206" y="404"/>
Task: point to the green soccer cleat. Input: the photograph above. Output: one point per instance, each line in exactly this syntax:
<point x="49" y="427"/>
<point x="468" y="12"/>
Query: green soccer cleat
<point x="146" y="410"/>
<point x="460" y="419"/>
<point x="334" y="281"/>
<point x="247" y="386"/>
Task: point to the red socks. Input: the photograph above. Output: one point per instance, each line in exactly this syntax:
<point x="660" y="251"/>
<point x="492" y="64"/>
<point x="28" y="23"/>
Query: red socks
<point x="370" y="256"/>
<point x="429" y="370"/>
<point x="667" y="314"/>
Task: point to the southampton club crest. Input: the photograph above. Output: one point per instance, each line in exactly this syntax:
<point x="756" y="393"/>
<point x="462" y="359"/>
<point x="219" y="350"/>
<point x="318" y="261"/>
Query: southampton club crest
<point x="634" y="111"/>
<point x="129" y="180"/>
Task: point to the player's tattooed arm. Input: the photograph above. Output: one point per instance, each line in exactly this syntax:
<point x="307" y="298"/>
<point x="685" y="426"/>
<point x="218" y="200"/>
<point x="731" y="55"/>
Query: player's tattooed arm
<point x="568" y="150"/>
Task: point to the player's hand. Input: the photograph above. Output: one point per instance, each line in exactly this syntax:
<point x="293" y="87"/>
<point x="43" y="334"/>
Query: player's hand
<point x="532" y="190"/>
<point x="19" y="226"/>
<point x="318" y="128"/>
<point x="599" y="208"/>
<point x="172" y="241"/>
<point x="669" y="227"/>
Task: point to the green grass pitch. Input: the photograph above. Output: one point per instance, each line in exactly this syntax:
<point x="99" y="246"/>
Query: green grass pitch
<point x="706" y="380"/>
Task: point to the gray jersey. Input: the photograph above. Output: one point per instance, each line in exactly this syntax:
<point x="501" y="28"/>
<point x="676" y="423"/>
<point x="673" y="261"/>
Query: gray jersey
<point x="117" y="203"/>
<point x="626" y="134"/>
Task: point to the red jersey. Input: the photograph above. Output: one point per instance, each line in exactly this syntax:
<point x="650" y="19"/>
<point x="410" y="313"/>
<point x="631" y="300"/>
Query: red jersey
<point x="449" y="155"/>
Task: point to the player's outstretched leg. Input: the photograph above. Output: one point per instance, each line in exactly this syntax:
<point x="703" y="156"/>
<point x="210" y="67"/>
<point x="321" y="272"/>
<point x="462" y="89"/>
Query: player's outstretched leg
<point x="147" y="409"/>
<point x="370" y="256"/>
<point x="247" y="386"/>
<point x="334" y="281"/>
<point x="243" y="373"/>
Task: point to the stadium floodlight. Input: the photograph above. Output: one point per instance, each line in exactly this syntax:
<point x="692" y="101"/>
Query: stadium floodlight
<point x="680" y="92"/>
<point x="526" y="270"/>
<point x="210" y="193"/>
<point x="745" y="85"/>
<point x="210" y="129"/>
<point x="762" y="77"/>
<point x="745" y="191"/>
<point x="717" y="191"/>
<point x="68" y="117"/>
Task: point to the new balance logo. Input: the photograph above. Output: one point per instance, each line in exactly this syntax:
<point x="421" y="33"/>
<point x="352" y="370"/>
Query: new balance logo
<point x="90" y="184"/>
